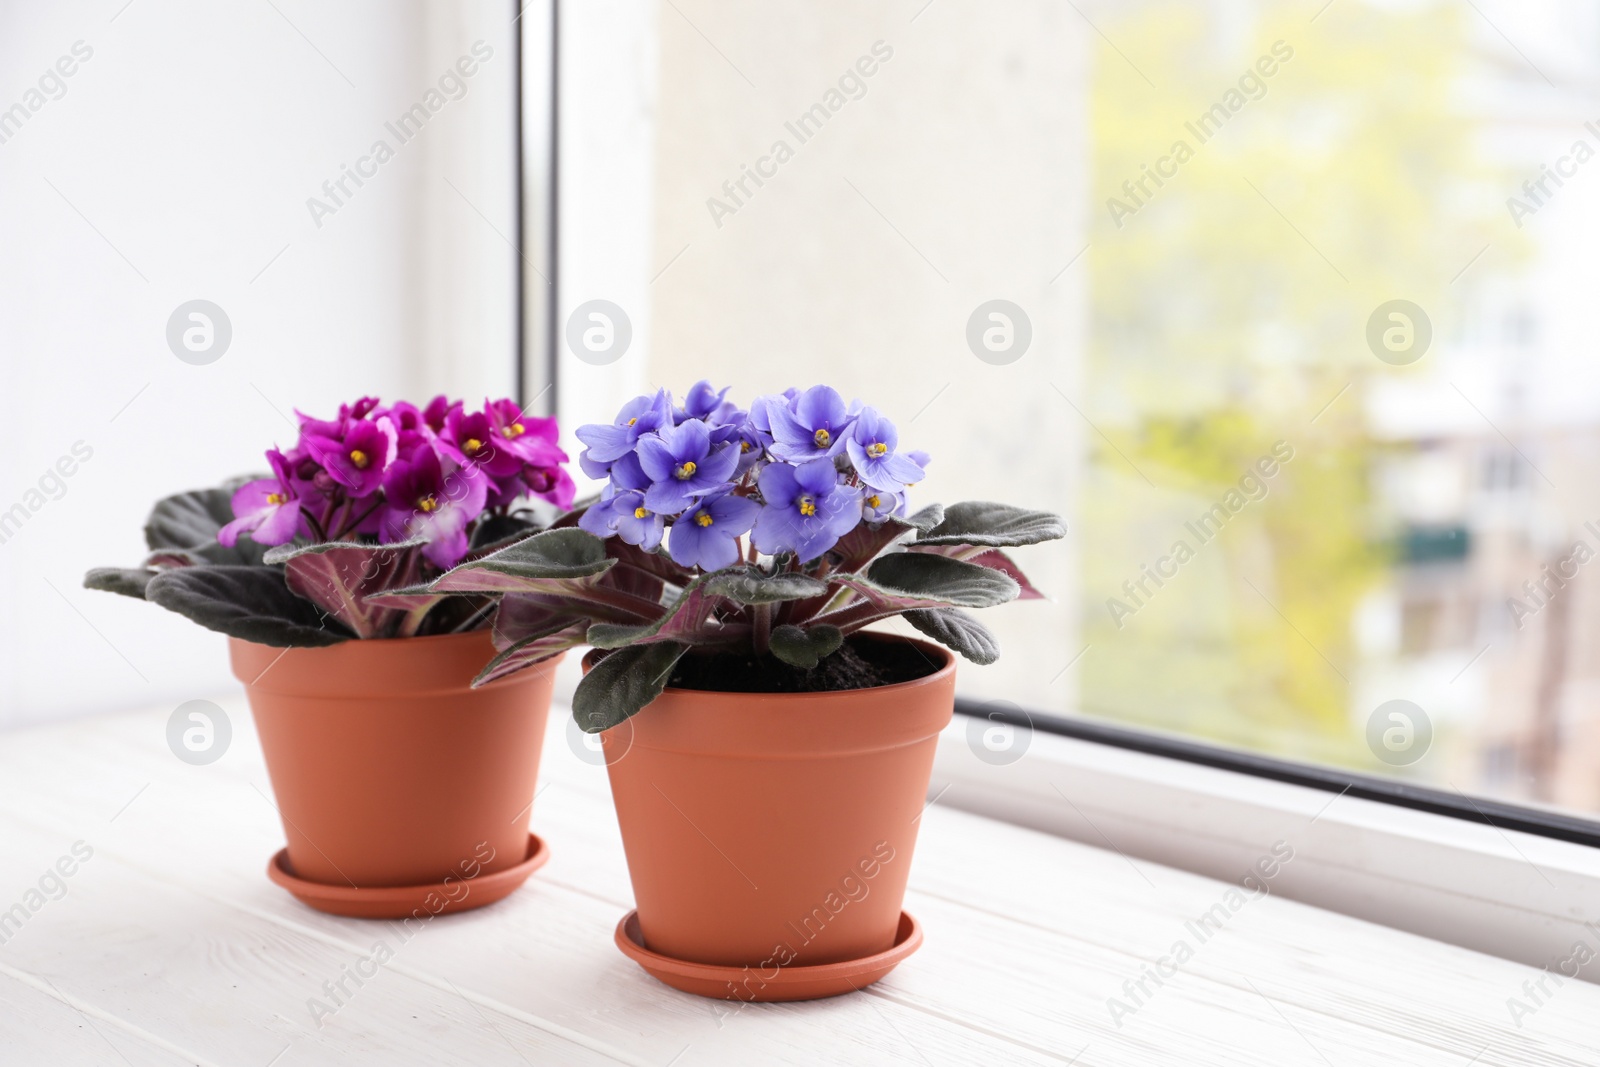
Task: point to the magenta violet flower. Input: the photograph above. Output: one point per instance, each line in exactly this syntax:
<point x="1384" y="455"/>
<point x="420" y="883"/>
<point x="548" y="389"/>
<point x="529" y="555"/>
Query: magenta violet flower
<point x="551" y="483"/>
<point x="530" y="437"/>
<point x="266" y="508"/>
<point x="806" y="510"/>
<point x="358" y="457"/>
<point x="683" y="464"/>
<point x="422" y="500"/>
<point x="437" y="411"/>
<point x="707" y="535"/>
<point x="471" y="440"/>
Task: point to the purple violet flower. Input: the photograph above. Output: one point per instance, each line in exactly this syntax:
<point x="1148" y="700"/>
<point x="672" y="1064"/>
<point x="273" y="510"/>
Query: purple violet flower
<point x="684" y="465"/>
<point x="707" y="535"/>
<point x="266" y="508"/>
<point x="703" y="402"/>
<point x="626" y="516"/>
<point x="871" y="445"/>
<point x="806" y="509"/>
<point x="879" y="504"/>
<point x="639" y="416"/>
<point x="816" y="426"/>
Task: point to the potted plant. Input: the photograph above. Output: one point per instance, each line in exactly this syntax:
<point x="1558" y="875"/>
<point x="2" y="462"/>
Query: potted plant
<point x="403" y="789"/>
<point x="770" y="791"/>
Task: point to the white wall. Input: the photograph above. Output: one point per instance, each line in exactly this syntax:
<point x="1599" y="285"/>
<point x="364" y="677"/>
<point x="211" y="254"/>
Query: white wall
<point x="951" y="175"/>
<point x="608" y="154"/>
<point x="177" y="165"/>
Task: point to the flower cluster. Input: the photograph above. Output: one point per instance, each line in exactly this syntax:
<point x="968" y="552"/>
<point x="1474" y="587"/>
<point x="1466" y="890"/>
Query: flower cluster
<point x="400" y="472"/>
<point x="796" y="472"/>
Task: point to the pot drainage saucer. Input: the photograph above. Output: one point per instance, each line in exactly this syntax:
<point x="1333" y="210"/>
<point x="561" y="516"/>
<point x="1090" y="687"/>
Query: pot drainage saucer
<point x="752" y="983"/>
<point x="400" y="901"/>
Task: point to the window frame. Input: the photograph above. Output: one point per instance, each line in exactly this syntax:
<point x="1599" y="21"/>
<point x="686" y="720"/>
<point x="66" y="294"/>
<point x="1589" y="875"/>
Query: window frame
<point x="1325" y="777"/>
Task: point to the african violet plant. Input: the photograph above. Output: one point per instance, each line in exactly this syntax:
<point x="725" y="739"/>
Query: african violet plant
<point x="377" y="498"/>
<point x="774" y="533"/>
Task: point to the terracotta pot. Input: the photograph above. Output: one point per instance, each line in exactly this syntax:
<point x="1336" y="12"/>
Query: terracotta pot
<point x="775" y="830"/>
<point x="388" y="768"/>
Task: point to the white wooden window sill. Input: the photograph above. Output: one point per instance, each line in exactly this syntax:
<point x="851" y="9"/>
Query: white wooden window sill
<point x="169" y="946"/>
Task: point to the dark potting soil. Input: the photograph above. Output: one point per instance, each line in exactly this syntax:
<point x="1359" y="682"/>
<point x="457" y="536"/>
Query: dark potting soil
<point x="858" y="664"/>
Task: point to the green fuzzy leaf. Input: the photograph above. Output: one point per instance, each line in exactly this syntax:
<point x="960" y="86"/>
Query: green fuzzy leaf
<point x="925" y="576"/>
<point x="126" y="582"/>
<point x="957" y="630"/>
<point x="623" y="683"/>
<point x="805" y="648"/>
<point x="992" y="558"/>
<point x="341" y="577"/>
<point x="534" y="647"/>
<point x="867" y="541"/>
<point x="528" y="564"/>
<point x="978" y="522"/>
<point x="190" y="521"/>
<point x="251" y="603"/>
<point x="499" y="531"/>
<point x="928" y="517"/>
<point x="688" y="619"/>
<point x="748" y="585"/>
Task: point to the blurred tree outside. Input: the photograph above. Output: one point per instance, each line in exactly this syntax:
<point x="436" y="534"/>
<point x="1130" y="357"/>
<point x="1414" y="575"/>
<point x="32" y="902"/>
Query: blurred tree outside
<point x="1229" y="314"/>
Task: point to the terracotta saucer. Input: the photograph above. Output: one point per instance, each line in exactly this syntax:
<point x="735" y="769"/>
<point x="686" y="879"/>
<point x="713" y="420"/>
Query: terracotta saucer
<point x="397" y="902"/>
<point x="746" y="983"/>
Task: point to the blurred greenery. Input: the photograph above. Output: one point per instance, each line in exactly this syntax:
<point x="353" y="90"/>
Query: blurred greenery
<point x="1228" y="313"/>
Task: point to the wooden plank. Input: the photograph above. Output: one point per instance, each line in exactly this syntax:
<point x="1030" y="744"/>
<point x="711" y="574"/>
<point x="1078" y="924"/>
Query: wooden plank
<point x="1305" y="959"/>
<point x="546" y="951"/>
<point x="1031" y="968"/>
<point x="40" y="1025"/>
<point x="233" y="988"/>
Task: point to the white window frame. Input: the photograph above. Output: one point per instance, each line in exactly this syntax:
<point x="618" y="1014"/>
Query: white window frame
<point x="1514" y="894"/>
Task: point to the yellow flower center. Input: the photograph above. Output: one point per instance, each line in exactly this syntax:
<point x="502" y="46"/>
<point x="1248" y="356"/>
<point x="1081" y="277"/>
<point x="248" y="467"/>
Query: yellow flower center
<point x="277" y="498"/>
<point x="516" y="429"/>
<point x="685" y="471"/>
<point x="874" y="502"/>
<point x="877" y="448"/>
<point x="632" y="421"/>
<point x="744" y="446"/>
<point x="359" y="458"/>
<point x="823" y="438"/>
<point x="640" y="513"/>
<point x="472" y="446"/>
<point x="428" y="503"/>
<point x="808" y="505"/>
<point x="701" y="518"/>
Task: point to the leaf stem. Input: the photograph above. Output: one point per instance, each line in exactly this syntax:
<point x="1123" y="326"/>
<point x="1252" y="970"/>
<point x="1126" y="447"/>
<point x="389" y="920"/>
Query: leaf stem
<point x="316" y="527"/>
<point x="761" y="628"/>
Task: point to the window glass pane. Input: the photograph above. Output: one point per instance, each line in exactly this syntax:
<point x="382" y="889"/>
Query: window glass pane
<point x="1306" y="364"/>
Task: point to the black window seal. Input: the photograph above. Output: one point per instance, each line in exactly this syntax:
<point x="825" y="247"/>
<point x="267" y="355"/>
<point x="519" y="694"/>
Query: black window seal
<point x="1498" y="814"/>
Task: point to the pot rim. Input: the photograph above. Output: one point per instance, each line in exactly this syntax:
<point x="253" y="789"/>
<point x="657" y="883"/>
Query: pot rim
<point x="433" y="664"/>
<point x="792" y="726"/>
<point x="945" y="670"/>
